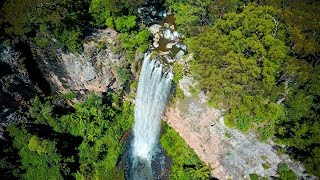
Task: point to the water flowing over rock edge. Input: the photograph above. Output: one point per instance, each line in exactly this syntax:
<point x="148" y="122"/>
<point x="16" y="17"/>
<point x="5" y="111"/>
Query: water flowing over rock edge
<point x="151" y="99"/>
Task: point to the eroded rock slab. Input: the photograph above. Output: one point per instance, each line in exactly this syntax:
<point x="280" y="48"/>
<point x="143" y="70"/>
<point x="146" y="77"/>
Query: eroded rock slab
<point x="95" y="69"/>
<point x="230" y="153"/>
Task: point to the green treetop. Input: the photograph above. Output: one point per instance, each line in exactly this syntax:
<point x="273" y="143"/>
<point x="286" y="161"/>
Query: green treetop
<point x="237" y="62"/>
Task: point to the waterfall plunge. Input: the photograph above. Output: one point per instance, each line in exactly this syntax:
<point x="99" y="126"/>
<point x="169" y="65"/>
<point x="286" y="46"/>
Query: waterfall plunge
<point x="152" y="95"/>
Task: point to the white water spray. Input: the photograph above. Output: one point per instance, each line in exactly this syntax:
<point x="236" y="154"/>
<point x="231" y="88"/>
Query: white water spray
<point x="152" y="95"/>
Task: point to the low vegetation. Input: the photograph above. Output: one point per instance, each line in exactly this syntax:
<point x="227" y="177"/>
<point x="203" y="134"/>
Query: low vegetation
<point x="185" y="162"/>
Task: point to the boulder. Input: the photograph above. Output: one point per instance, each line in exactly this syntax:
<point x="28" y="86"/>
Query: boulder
<point x="170" y="35"/>
<point x="181" y="46"/>
<point x="170" y="45"/>
<point x="156" y="37"/>
<point x="161" y="53"/>
<point x="155" y="44"/>
<point x="179" y="54"/>
<point x="171" y="27"/>
<point x="155" y="28"/>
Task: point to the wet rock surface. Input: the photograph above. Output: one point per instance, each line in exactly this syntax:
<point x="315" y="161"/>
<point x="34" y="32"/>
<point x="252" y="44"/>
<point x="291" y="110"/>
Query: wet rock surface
<point x="160" y="163"/>
<point x="167" y="42"/>
<point x="152" y="12"/>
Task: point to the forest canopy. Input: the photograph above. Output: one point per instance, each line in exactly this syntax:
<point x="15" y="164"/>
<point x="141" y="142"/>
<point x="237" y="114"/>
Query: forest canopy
<point x="260" y="62"/>
<point x="82" y="144"/>
<point x="257" y="60"/>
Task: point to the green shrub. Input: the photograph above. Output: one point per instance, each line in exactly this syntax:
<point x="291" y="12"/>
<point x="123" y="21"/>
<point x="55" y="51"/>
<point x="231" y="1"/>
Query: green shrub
<point x="285" y="173"/>
<point x="266" y="166"/>
<point x="125" y="23"/>
<point x="227" y="135"/>
<point x="254" y="176"/>
<point x="70" y="95"/>
<point x="182" y="156"/>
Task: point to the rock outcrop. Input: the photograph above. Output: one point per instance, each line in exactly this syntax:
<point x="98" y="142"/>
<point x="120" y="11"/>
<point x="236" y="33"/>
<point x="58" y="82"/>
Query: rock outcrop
<point x="23" y="76"/>
<point x="16" y="88"/>
<point x="95" y="69"/>
<point x="230" y="153"/>
<point x="167" y="42"/>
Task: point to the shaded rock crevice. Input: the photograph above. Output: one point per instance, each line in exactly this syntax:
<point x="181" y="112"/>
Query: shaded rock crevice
<point x="16" y="87"/>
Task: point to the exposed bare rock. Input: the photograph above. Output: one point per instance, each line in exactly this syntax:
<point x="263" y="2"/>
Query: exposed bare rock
<point x="164" y="53"/>
<point x="156" y="37"/>
<point x="156" y="44"/>
<point x="184" y="84"/>
<point x="92" y="70"/>
<point x="106" y="35"/>
<point x="12" y="58"/>
<point x="166" y="25"/>
<point x="193" y="126"/>
<point x="155" y="28"/>
<point x="171" y="27"/>
<point x="230" y="153"/>
<point x="169" y="45"/>
<point x="179" y="54"/>
<point x="14" y="118"/>
<point x="16" y="88"/>
<point x="168" y="42"/>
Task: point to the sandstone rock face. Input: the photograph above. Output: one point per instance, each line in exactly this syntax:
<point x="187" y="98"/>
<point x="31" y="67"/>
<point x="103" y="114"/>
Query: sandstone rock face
<point x="230" y="153"/>
<point x="92" y="70"/>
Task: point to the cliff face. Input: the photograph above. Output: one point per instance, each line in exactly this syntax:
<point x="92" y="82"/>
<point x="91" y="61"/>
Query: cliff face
<point x="25" y="74"/>
<point x="16" y="87"/>
<point x="230" y="153"/>
<point x="94" y="69"/>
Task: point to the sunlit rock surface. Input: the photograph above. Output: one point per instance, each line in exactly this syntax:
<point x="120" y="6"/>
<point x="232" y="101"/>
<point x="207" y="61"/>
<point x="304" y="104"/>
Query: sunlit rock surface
<point x="230" y="153"/>
<point x="92" y="70"/>
<point x="167" y="42"/>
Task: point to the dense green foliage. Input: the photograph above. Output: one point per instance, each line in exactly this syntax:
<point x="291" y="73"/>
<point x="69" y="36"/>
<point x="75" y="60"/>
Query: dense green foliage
<point x="285" y="173"/>
<point x="122" y="16"/>
<point x="192" y="15"/>
<point x="301" y="19"/>
<point x="238" y="60"/>
<point x="94" y="144"/>
<point x="260" y="62"/>
<point x="39" y="157"/>
<point x="61" y="23"/>
<point x="105" y="12"/>
<point x="64" y="23"/>
<point x="186" y="164"/>
<point x="125" y="23"/>
<point x="135" y="42"/>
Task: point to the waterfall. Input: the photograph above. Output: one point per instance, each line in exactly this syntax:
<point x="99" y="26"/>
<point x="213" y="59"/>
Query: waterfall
<point x="152" y="95"/>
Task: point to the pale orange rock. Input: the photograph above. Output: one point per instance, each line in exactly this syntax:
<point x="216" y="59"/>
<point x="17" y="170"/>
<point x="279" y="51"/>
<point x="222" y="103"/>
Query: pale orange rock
<point x="196" y="133"/>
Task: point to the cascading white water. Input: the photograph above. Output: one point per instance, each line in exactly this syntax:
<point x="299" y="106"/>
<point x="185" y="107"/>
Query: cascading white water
<point x="152" y="95"/>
